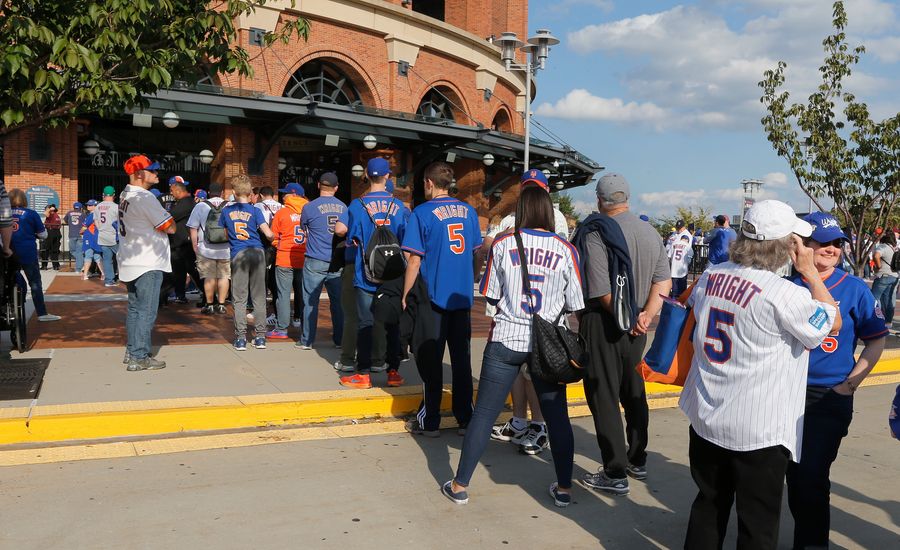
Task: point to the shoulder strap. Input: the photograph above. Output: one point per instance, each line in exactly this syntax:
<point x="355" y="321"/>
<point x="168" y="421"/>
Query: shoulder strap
<point x="526" y="285"/>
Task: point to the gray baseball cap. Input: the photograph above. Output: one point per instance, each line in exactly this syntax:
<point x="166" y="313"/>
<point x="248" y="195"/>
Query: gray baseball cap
<point x="613" y="189"/>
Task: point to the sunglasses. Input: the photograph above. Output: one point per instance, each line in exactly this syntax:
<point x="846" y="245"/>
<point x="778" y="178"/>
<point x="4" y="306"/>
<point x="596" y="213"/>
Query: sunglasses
<point x="837" y="243"/>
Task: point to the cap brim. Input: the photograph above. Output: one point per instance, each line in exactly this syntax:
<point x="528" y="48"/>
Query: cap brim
<point x="803" y="228"/>
<point x="154" y="166"/>
<point x="539" y="182"/>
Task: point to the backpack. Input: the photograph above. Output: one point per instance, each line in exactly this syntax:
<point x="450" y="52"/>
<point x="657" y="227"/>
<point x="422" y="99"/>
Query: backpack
<point x="383" y="258"/>
<point x="895" y="261"/>
<point x="213" y="231"/>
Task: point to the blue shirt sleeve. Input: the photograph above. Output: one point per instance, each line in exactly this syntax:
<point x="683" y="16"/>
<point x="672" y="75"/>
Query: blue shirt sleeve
<point x="354" y="234"/>
<point x="36" y="221"/>
<point x="413" y="238"/>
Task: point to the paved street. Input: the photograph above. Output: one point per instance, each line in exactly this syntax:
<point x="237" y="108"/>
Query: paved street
<point x="382" y="492"/>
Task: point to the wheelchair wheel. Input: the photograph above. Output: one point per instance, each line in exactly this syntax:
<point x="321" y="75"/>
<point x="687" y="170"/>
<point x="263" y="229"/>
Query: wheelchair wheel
<point x="17" y="334"/>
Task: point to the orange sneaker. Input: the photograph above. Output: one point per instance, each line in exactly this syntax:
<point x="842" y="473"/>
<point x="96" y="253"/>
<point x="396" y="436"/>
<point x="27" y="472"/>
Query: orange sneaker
<point x="394" y="379"/>
<point x="359" y="381"/>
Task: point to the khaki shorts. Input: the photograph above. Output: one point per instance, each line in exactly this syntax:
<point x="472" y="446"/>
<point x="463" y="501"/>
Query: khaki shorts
<point x="213" y="269"/>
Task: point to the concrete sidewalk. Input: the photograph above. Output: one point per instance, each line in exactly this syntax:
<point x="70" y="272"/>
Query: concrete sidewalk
<point x="88" y="395"/>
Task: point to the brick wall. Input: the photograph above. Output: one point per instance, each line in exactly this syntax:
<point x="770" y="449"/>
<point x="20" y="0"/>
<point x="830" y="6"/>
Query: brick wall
<point x="59" y="171"/>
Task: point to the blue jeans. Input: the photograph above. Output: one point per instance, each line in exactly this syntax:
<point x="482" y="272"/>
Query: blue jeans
<point x="286" y="278"/>
<point x="75" y="251"/>
<point x="33" y="274"/>
<point x="143" y="303"/>
<point x="316" y="274"/>
<point x="825" y="423"/>
<point x="498" y="372"/>
<point x="883" y="289"/>
<point x="109" y="252"/>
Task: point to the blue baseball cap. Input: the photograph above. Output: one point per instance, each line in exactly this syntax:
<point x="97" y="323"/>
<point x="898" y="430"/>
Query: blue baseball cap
<point x="644" y="217"/>
<point x="179" y="180"/>
<point x="200" y="194"/>
<point x="156" y="192"/>
<point x="378" y="166"/>
<point x="77" y="205"/>
<point x="825" y="227"/>
<point x="92" y="202"/>
<point x="535" y="176"/>
<point x="293" y="189"/>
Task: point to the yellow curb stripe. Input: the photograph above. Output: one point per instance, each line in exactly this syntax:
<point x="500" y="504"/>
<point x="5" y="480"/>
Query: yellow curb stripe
<point x="94" y="421"/>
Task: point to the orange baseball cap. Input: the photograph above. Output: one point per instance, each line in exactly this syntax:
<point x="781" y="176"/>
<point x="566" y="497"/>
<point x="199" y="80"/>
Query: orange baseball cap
<point x="138" y="163"/>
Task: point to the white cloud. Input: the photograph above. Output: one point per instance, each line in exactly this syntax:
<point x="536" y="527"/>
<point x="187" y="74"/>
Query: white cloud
<point x="605" y="5"/>
<point x="693" y="67"/>
<point x="775" y="179"/>
<point x="579" y="104"/>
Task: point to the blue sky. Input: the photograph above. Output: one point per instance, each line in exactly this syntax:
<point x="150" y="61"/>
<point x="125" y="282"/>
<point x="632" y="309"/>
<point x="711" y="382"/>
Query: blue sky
<point x="666" y="93"/>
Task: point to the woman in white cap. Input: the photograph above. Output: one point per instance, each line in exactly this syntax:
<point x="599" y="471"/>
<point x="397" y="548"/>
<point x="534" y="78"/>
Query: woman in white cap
<point x="746" y="390"/>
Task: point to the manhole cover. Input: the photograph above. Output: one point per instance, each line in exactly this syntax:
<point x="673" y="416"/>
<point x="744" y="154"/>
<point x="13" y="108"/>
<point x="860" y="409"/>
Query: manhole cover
<point x="21" y="378"/>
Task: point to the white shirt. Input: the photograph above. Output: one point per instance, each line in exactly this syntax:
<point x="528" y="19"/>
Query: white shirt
<point x="269" y="207"/>
<point x="106" y="213"/>
<point x="561" y="226"/>
<point x="142" y="246"/>
<point x="680" y="255"/>
<point x="197" y="220"/>
<point x="746" y="389"/>
<point x="555" y="284"/>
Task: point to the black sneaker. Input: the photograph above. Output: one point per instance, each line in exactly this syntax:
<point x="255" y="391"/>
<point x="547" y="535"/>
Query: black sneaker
<point x="220" y="309"/>
<point x="208" y="310"/>
<point x="602" y="482"/>
<point x="412" y="426"/>
<point x="637" y="472"/>
<point x="180" y="300"/>
<point x="461" y="497"/>
<point x="559" y="499"/>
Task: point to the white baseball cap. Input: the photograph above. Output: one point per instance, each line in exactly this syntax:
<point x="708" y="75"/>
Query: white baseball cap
<point x="769" y="220"/>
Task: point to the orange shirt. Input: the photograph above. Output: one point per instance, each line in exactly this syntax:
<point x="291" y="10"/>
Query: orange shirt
<point x="290" y="240"/>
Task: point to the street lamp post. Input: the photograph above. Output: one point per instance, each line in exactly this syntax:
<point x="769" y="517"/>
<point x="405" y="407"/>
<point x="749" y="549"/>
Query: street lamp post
<point x="537" y="50"/>
<point x="751" y="189"/>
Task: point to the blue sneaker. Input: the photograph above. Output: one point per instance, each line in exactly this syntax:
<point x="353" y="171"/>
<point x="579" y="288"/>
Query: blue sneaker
<point x="461" y="497"/>
<point x="560" y="499"/>
<point x="240" y="344"/>
<point x="259" y="342"/>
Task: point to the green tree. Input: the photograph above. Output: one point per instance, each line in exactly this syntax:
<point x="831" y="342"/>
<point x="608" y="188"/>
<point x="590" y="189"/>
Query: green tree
<point x="700" y="216"/>
<point x="564" y="203"/>
<point x="858" y="166"/>
<point x="62" y="58"/>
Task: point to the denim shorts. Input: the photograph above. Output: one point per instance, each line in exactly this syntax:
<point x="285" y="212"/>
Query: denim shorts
<point x="91" y="255"/>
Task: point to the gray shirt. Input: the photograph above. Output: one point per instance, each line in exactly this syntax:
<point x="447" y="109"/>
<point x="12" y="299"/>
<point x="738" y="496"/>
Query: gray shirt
<point x="887" y="254"/>
<point x="105" y="215"/>
<point x="649" y="261"/>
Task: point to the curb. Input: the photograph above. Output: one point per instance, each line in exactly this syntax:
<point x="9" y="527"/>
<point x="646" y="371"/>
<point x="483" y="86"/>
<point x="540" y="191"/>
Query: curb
<point x="57" y="424"/>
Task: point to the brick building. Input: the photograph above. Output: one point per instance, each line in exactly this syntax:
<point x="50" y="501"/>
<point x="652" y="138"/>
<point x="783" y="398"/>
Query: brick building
<point x="413" y="81"/>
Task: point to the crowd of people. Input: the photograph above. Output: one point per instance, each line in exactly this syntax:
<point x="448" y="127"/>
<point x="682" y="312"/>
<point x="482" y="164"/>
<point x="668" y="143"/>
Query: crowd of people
<point x="769" y="394"/>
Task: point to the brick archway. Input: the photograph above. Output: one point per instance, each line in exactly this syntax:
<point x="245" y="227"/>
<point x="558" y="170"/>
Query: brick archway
<point x="460" y="109"/>
<point x="361" y="80"/>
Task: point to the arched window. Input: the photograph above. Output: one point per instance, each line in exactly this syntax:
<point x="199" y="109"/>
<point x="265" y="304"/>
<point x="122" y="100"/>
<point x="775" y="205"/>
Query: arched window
<point x="501" y="122"/>
<point x="435" y="106"/>
<point x="322" y="82"/>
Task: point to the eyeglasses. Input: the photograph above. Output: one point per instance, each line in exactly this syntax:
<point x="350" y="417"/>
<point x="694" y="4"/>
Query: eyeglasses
<point x="837" y="243"/>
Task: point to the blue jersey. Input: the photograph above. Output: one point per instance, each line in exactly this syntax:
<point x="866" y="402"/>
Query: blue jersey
<point x="718" y="244"/>
<point x="26" y="226"/>
<point x="241" y="221"/>
<point x="387" y="211"/>
<point x="832" y="361"/>
<point x="318" y="219"/>
<point x="445" y="233"/>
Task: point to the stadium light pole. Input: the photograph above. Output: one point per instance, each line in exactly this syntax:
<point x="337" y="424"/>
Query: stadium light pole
<point x="537" y="49"/>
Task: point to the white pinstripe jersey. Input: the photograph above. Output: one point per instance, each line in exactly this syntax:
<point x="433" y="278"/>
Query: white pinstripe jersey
<point x="554" y="279"/>
<point x="746" y="389"/>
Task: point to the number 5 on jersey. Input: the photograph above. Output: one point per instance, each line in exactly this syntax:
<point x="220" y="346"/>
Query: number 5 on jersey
<point x="718" y="343"/>
<point x="457" y="237"/>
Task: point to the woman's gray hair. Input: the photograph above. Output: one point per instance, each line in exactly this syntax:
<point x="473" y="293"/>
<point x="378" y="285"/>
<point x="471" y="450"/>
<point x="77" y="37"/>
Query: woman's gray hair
<point x="765" y="255"/>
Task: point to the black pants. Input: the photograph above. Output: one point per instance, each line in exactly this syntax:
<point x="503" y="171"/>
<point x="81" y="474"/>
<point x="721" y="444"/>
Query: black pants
<point x="453" y="330"/>
<point x="753" y="480"/>
<point x="679" y="285"/>
<point x="611" y="379"/>
<point x="50" y="248"/>
<point x="825" y="423"/>
<point x="184" y="263"/>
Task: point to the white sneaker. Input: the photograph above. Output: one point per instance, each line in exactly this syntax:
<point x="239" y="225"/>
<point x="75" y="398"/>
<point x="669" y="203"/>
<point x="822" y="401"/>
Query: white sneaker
<point x="271" y="320"/>
<point x="536" y="440"/>
<point x="49" y="317"/>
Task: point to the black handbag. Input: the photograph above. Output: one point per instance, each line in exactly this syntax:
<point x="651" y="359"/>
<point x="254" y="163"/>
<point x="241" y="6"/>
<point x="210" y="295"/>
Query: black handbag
<point x="557" y="353"/>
